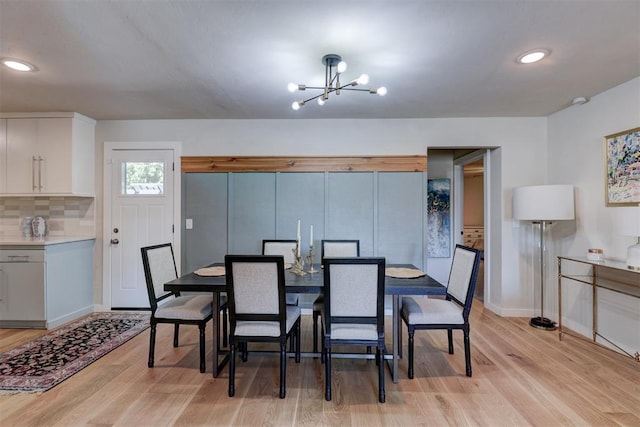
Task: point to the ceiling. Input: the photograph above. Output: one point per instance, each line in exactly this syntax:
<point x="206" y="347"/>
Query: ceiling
<point x="233" y="59"/>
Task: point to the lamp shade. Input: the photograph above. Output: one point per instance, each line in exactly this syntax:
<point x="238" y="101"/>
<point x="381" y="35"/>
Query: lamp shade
<point x="543" y="203"/>
<point x="627" y="220"/>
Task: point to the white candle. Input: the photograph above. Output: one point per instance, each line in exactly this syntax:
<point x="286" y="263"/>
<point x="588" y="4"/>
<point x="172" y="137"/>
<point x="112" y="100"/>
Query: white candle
<point x="298" y="234"/>
<point x="311" y="236"/>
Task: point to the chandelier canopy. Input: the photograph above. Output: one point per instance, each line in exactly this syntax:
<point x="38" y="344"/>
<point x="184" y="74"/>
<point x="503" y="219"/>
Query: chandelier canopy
<point x="334" y="67"/>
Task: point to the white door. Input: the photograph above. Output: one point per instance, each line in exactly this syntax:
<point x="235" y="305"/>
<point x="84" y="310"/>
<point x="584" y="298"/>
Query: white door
<point x="142" y="209"/>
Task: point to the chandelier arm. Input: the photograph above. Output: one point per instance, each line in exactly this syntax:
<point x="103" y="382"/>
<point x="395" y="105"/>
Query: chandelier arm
<point x="312" y="98"/>
<point x="359" y="90"/>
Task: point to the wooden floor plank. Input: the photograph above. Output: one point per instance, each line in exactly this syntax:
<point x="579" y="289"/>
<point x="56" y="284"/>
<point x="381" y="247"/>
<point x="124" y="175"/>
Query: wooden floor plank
<point x="521" y="376"/>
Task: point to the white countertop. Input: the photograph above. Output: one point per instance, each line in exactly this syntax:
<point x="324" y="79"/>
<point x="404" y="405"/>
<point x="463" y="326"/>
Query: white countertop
<point x="30" y="241"/>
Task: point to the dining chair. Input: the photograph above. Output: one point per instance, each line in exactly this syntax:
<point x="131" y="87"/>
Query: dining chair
<point x="286" y="248"/>
<point x="170" y="307"/>
<point x="331" y="248"/>
<point x="449" y="313"/>
<point x="353" y="310"/>
<point x="258" y="311"/>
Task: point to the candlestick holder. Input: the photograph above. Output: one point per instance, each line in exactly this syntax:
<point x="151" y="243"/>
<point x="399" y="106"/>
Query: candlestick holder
<point x="310" y="260"/>
<point x="298" y="265"/>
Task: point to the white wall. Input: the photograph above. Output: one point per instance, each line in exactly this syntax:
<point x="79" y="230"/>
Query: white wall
<point x="522" y="160"/>
<point x="576" y="156"/>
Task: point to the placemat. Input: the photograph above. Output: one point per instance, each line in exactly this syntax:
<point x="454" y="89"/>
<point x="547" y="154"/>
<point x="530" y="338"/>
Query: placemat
<point x="403" y="273"/>
<point x="210" y="271"/>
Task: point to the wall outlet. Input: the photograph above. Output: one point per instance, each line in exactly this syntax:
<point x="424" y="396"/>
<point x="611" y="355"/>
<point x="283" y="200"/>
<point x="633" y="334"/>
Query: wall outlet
<point x="189" y="223"/>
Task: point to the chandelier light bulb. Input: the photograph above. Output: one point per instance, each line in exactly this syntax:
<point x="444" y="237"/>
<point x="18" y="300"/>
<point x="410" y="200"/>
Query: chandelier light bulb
<point x="292" y="87"/>
<point x="296" y="105"/>
<point x="320" y="101"/>
<point x="363" y="79"/>
<point x="342" y="67"/>
<point x="382" y="91"/>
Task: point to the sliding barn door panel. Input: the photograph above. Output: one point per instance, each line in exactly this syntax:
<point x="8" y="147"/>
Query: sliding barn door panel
<point x="204" y="197"/>
<point x="300" y="195"/>
<point x="351" y="208"/>
<point x="401" y="207"/>
<point x="252" y="211"/>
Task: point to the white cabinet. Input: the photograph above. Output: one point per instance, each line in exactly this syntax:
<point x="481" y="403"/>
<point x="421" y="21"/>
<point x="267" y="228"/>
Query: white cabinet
<point x="45" y="286"/>
<point x="52" y="155"/>
<point x="22" y="280"/>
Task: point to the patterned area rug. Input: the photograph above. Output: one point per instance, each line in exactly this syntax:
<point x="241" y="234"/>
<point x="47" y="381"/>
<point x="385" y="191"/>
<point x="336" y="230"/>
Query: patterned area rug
<point x="46" y="361"/>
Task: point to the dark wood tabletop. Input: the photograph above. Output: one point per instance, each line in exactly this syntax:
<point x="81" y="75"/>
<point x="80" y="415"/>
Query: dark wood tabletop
<point x="310" y="283"/>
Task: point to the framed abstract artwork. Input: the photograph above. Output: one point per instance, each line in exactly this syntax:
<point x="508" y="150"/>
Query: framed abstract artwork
<point x="438" y="218"/>
<point x="622" y="168"/>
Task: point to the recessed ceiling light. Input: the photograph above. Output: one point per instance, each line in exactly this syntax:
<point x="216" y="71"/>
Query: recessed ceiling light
<point x="579" y="100"/>
<point x="532" y="56"/>
<point x="18" y="64"/>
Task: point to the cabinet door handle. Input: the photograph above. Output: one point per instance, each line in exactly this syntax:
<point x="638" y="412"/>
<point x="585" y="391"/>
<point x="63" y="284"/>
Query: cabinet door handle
<point x="33" y="172"/>
<point x="40" y="159"/>
<point x="115" y="241"/>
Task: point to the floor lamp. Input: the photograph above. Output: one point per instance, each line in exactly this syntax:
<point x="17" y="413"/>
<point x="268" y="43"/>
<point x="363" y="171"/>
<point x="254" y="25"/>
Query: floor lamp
<point x="543" y="204"/>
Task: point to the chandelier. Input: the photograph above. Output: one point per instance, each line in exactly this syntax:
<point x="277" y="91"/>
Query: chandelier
<point x="334" y="66"/>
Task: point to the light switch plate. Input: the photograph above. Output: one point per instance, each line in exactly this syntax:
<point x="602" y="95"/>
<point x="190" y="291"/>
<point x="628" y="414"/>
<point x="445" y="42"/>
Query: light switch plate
<point x="189" y="224"/>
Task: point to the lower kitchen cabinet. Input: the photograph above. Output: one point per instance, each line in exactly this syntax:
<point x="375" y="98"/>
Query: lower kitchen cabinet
<point x="44" y="286"/>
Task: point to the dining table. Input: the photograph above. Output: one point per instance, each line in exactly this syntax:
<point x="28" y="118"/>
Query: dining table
<point x="312" y="283"/>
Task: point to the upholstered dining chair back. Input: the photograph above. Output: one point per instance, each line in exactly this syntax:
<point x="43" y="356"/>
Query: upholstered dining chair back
<point x="254" y="283"/>
<point x="462" y="268"/>
<point x="353" y="290"/>
<point x="340" y="248"/>
<point x="159" y="264"/>
<point x="285" y="248"/>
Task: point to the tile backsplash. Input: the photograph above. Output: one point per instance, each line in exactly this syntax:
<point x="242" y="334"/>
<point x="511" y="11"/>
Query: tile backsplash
<point x="65" y="216"/>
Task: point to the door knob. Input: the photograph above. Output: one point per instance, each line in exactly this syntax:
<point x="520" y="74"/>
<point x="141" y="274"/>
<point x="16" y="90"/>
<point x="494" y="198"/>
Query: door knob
<point x="115" y="241"/>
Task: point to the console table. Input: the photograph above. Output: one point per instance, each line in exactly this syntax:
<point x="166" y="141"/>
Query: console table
<point x="611" y="275"/>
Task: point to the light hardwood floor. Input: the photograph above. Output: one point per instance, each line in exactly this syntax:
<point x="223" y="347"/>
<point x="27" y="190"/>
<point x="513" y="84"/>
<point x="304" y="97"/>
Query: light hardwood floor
<point x="521" y="376"/>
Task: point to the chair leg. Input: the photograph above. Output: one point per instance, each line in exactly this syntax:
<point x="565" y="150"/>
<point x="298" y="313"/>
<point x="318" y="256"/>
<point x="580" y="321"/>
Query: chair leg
<point x="225" y="317"/>
<point x="244" y="346"/>
<point x="152" y="344"/>
<point x="316" y="315"/>
<point x="298" y="336"/>
<point x="232" y="369"/>
<point x="176" y="332"/>
<point x="450" y="336"/>
<point x="327" y="373"/>
<point x="323" y="354"/>
<point x="381" y="391"/>
<point x="283" y="369"/>
<point x="410" y="344"/>
<point x="203" y="363"/>
<point x="467" y="351"/>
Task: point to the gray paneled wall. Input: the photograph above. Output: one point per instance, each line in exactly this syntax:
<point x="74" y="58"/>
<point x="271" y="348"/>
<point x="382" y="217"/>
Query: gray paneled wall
<point x="233" y="212"/>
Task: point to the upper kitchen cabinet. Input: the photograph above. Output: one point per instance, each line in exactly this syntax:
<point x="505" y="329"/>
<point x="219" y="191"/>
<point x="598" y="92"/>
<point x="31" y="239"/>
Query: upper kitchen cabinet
<point x="48" y="154"/>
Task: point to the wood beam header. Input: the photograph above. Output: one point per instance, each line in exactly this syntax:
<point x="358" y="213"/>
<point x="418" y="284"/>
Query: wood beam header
<point x="192" y="164"/>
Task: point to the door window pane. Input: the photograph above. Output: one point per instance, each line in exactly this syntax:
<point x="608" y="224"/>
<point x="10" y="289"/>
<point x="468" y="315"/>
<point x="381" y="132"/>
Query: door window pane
<point x="143" y="178"/>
